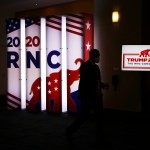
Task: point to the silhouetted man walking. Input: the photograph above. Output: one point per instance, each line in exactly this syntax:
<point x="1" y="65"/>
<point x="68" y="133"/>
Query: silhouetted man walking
<point x="90" y="96"/>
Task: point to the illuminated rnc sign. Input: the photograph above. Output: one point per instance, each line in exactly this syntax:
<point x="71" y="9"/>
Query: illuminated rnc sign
<point x="43" y="60"/>
<point x="136" y="57"/>
<point x="13" y="59"/>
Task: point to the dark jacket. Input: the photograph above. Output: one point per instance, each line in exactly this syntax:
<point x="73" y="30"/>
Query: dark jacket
<point x="89" y="80"/>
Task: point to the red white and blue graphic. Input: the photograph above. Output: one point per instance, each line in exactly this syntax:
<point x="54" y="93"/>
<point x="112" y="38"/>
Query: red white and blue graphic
<point x="88" y="35"/>
<point x="53" y="79"/>
<point x="74" y="58"/>
<point x="79" y="39"/>
<point x="13" y="63"/>
<point x="13" y="58"/>
<point x="33" y="63"/>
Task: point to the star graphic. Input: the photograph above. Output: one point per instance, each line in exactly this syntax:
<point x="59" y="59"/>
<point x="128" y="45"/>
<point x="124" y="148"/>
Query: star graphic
<point x="55" y="80"/>
<point x="38" y="87"/>
<point x="49" y="83"/>
<point x="56" y="89"/>
<point x="88" y="46"/>
<point x="88" y="25"/>
<point x="49" y="91"/>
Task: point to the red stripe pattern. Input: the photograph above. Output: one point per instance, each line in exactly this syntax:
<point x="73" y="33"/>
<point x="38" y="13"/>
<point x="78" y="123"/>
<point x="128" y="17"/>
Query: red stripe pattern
<point x="75" y="24"/>
<point x="13" y="102"/>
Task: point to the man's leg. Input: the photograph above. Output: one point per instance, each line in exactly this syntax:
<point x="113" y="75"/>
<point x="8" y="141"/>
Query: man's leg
<point x="81" y="117"/>
<point x="99" y="118"/>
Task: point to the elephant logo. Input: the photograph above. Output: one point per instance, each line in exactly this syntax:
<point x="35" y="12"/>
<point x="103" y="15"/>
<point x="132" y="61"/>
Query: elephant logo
<point x="53" y="91"/>
<point x="145" y="53"/>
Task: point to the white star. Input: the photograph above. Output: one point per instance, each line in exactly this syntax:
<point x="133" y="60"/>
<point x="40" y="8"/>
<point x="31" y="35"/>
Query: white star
<point x="88" y="25"/>
<point x="49" y="83"/>
<point x="38" y="87"/>
<point x="88" y="46"/>
<point x="55" y="80"/>
<point x="49" y="91"/>
<point x="56" y="89"/>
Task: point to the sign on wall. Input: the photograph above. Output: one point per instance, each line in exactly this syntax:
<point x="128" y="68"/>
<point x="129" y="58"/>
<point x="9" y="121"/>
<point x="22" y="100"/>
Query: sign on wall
<point x="136" y="57"/>
<point x="74" y="57"/>
<point x="53" y="70"/>
<point x="13" y="63"/>
<point x="33" y="42"/>
<point x="79" y="28"/>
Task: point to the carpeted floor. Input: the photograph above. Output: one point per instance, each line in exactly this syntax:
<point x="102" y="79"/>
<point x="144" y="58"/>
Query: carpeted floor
<point x="22" y="130"/>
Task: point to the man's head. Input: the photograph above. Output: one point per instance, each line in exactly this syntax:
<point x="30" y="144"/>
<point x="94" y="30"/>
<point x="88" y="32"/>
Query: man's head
<point x="94" y="55"/>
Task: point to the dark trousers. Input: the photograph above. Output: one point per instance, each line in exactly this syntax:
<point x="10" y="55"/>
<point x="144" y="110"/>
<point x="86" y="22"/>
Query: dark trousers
<point x="87" y="106"/>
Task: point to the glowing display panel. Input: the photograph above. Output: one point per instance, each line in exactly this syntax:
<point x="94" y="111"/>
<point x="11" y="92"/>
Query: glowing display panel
<point x="44" y="56"/>
<point x="136" y="57"/>
<point x="13" y="64"/>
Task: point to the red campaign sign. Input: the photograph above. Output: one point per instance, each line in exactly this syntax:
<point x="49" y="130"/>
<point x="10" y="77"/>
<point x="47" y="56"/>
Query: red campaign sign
<point x="136" y="57"/>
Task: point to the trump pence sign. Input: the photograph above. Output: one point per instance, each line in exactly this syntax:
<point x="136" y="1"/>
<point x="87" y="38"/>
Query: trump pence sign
<point x="136" y="57"/>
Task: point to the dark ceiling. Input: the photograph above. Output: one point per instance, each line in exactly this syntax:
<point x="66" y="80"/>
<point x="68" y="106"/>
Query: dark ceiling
<point x="19" y="5"/>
